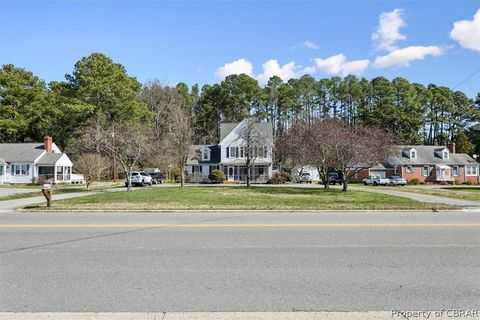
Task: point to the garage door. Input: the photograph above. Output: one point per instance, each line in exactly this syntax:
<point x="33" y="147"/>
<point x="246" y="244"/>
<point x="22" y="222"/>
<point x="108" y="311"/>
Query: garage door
<point x="381" y="174"/>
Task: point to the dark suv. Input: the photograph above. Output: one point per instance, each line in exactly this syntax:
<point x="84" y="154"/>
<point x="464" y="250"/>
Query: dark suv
<point x="156" y="177"/>
<point x="334" y="178"/>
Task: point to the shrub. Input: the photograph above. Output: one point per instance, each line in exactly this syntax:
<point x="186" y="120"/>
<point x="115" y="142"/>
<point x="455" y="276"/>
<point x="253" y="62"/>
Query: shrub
<point x="217" y="175"/>
<point x="414" y="182"/>
<point x="468" y="183"/>
<point x="279" y="178"/>
<point x="422" y="183"/>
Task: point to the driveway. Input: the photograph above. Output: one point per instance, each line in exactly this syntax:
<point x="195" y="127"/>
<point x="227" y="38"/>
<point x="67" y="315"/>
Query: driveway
<point x="9" y="191"/>
<point x="420" y="197"/>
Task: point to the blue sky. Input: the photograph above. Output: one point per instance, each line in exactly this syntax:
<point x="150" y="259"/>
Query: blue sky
<point x="202" y="41"/>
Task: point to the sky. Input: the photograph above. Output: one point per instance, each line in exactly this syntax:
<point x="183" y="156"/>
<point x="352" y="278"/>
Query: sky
<point x="204" y="41"/>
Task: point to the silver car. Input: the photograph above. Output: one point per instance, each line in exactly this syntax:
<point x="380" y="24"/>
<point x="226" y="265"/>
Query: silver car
<point x="397" y="181"/>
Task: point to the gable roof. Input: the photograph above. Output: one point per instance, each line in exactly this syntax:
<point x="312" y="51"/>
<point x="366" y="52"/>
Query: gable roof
<point x="49" y="158"/>
<point x="429" y="155"/>
<point x="2" y="162"/>
<point x="20" y="152"/>
<point x="195" y="158"/>
<point x="226" y="128"/>
<point x="264" y="127"/>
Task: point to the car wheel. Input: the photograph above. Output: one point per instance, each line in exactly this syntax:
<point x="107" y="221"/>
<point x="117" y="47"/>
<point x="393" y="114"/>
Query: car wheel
<point x="365" y="184"/>
<point x="392" y="184"/>
<point x="375" y="183"/>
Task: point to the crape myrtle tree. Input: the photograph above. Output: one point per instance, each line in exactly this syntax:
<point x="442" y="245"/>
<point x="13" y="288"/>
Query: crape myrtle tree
<point x="92" y="166"/>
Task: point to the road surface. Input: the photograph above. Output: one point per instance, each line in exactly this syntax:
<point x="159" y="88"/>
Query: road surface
<point x="161" y="262"/>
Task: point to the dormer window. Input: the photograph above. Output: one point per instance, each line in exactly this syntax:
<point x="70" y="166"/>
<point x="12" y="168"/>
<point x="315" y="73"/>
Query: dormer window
<point x="413" y="154"/>
<point x="445" y="154"/>
<point x="206" y="154"/>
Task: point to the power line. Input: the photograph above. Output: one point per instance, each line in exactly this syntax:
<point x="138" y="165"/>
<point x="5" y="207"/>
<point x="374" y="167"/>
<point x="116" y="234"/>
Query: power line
<point x="467" y="78"/>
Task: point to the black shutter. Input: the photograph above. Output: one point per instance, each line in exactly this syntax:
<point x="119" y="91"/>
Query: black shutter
<point x="228" y="152"/>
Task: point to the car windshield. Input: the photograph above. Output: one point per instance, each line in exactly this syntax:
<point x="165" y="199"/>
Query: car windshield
<point x="134" y="173"/>
<point x="143" y="174"/>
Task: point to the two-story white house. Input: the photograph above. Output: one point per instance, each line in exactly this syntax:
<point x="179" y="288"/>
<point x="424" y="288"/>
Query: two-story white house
<point x="33" y="162"/>
<point x="230" y="155"/>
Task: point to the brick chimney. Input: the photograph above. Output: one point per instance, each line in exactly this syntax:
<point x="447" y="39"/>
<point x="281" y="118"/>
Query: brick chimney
<point x="47" y="144"/>
<point x="452" y="147"/>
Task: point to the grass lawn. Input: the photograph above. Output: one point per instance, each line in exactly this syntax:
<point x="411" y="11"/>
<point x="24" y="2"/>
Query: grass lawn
<point x="463" y="193"/>
<point x="239" y="198"/>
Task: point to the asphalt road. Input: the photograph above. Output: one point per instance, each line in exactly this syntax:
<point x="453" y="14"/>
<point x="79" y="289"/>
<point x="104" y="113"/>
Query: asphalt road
<point x="151" y="262"/>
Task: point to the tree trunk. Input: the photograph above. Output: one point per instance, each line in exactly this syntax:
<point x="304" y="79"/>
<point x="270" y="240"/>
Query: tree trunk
<point x="248" y="176"/>
<point x="182" y="178"/>
<point x="345" y="183"/>
<point x="129" y="180"/>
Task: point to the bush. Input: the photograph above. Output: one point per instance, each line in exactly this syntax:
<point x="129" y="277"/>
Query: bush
<point x="279" y="178"/>
<point x="217" y="175"/>
<point x="422" y="183"/>
<point x="414" y="182"/>
<point x="468" y="183"/>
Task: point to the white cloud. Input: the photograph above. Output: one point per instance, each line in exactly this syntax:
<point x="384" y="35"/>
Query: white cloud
<point x="308" y="70"/>
<point x="403" y="57"/>
<point x="273" y="68"/>
<point x="331" y="65"/>
<point x="310" y="45"/>
<point x="387" y="33"/>
<point x="235" y="67"/>
<point x="355" y="67"/>
<point x="467" y="32"/>
<point x="338" y="64"/>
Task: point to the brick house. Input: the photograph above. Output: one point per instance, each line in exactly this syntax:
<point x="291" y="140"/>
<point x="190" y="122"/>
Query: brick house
<point x="429" y="164"/>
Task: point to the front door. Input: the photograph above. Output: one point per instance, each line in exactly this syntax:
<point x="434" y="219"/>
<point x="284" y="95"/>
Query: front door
<point x="230" y="173"/>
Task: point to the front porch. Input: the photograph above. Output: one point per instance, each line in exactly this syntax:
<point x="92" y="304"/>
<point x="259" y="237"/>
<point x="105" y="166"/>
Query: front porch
<point x="55" y="174"/>
<point x="443" y="173"/>
<point x="238" y="173"/>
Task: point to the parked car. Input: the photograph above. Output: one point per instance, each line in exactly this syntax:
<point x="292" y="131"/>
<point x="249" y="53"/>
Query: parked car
<point x="334" y="178"/>
<point x="139" y="178"/>
<point x="157" y="178"/>
<point x="305" y="178"/>
<point x="397" y="181"/>
<point x="376" y="180"/>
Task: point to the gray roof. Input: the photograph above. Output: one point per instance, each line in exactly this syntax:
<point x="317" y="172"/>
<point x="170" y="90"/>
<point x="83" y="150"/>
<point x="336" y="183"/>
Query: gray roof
<point x="428" y="155"/>
<point x="2" y="161"/>
<point x="49" y="158"/>
<point x="226" y="128"/>
<point x="264" y="127"/>
<point x="20" y="152"/>
<point x="194" y="156"/>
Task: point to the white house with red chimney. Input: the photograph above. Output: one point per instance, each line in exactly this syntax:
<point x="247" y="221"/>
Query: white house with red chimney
<point x="34" y="162"/>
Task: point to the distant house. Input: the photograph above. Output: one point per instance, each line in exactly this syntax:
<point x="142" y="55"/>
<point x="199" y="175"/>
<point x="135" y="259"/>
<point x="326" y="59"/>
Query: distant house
<point x="33" y="162"/>
<point x="429" y="164"/>
<point x="229" y="154"/>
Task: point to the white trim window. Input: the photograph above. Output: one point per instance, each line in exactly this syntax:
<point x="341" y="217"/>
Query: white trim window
<point x="426" y="171"/>
<point x="395" y="170"/>
<point x="471" y="170"/>
<point x="20" y="169"/>
<point x="413" y="154"/>
<point x="455" y="171"/>
<point x="206" y="154"/>
<point x="409" y="168"/>
<point x="233" y="152"/>
<point x="445" y="154"/>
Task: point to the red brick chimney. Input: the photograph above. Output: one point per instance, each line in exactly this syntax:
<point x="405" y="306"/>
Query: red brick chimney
<point x="452" y="147"/>
<point x="47" y="144"/>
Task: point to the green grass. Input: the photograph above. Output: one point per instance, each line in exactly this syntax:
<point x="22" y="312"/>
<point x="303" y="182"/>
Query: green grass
<point x="469" y="193"/>
<point x="239" y="198"/>
<point x="56" y="189"/>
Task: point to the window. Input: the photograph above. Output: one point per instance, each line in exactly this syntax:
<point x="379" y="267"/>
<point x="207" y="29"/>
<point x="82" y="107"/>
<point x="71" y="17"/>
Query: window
<point x="471" y="170"/>
<point x="426" y="171"/>
<point x="206" y="154"/>
<point x="455" y="171"/>
<point x="211" y="168"/>
<point x="20" y="169"/>
<point x="1" y="170"/>
<point x="233" y="152"/>
<point x="409" y="168"/>
<point x="197" y="169"/>
<point x="395" y="170"/>
<point x="445" y="154"/>
<point x="413" y="154"/>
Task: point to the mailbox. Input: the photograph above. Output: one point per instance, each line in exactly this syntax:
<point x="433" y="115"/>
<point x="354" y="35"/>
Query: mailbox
<point x="46" y="191"/>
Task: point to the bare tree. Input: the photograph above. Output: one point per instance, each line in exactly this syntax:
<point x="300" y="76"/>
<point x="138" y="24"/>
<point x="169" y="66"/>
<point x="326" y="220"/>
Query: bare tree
<point x="254" y="141"/>
<point x="128" y="146"/>
<point x="92" y="166"/>
<point x="333" y="144"/>
<point x="179" y="137"/>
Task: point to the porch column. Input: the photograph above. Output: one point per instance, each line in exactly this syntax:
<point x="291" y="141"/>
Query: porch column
<point x="55" y="174"/>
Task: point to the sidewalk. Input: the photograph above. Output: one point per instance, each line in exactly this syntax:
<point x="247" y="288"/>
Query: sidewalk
<point x="9" y="205"/>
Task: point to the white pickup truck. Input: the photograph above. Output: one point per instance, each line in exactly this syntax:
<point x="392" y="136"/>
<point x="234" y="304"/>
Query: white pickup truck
<point x="376" y="180"/>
